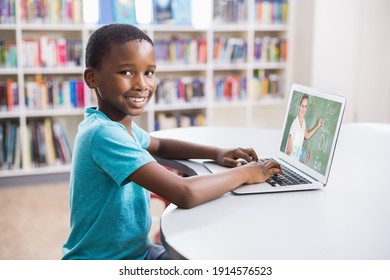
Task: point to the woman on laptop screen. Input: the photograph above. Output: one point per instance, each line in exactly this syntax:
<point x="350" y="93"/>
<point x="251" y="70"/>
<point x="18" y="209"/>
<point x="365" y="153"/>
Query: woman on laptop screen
<point x="298" y="131"/>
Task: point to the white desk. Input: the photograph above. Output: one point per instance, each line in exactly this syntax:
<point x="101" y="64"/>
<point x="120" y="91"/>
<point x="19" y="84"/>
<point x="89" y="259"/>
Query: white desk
<point x="348" y="219"/>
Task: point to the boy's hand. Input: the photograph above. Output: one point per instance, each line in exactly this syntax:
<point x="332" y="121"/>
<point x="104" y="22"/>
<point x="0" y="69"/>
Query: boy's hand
<point x="228" y="157"/>
<point x="259" y="172"/>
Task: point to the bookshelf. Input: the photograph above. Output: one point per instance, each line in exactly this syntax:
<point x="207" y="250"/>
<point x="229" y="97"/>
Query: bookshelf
<point x="228" y="73"/>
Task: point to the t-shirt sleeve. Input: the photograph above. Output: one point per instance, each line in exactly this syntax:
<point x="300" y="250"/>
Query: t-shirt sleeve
<point x="118" y="153"/>
<point x="142" y="136"/>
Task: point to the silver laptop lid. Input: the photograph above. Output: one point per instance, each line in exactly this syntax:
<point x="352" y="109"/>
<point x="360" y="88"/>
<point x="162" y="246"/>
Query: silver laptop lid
<point x="311" y="127"/>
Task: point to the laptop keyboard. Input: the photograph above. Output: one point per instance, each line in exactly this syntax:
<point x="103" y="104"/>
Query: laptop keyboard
<point x="288" y="178"/>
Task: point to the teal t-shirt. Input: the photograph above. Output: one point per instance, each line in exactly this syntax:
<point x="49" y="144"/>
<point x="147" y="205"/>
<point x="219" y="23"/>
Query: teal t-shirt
<point x="110" y="215"/>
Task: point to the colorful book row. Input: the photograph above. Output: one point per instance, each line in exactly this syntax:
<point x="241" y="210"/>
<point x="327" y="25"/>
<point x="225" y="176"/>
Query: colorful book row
<point x="10" y="149"/>
<point x="51" y="52"/>
<point x="7" y="11"/>
<point x="271" y="11"/>
<point x="181" y="50"/>
<point x="56" y="94"/>
<point x="270" y="49"/>
<point x="230" y="88"/>
<point x="228" y="11"/>
<point x="173" y="120"/>
<point x="266" y="84"/>
<point x="9" y="97"/>
<point x="53" y="11"/>
<point x="230" y="50"/>
<point x="171" y="91"/>
<point x="47" y="144"/>
<point x="8" y="54"/>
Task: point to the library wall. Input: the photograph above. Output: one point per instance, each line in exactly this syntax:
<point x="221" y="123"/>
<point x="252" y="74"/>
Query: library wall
<point x="351" y="55"/>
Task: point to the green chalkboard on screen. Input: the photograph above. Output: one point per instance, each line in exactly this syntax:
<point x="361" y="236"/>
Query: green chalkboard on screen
<point x="315" y="152"/>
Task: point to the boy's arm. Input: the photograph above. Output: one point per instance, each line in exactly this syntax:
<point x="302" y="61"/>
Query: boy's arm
<point x="191" y="191"/>
<point x="177" y="149"/>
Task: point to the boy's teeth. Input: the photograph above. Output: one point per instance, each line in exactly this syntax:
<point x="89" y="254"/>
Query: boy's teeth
<point x="137" y="99"/>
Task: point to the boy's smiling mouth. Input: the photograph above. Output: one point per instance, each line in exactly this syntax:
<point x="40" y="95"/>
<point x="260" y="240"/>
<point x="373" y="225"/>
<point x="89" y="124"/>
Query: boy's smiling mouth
<point x="136" y="99"/>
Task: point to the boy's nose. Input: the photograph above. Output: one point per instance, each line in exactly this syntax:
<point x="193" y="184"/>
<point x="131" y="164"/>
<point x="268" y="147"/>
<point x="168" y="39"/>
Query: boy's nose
<point x="140" y="82"/>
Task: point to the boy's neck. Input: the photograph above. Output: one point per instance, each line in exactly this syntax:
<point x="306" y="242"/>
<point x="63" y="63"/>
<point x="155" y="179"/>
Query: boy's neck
<point x="123" y="119"/>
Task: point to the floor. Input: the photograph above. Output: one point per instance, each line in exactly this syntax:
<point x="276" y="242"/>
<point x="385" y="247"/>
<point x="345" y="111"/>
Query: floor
<point x="34" y="221"/>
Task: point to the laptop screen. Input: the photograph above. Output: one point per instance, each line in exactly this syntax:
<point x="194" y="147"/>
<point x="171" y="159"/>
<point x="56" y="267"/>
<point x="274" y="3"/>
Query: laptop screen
<point x="311" y="128"/>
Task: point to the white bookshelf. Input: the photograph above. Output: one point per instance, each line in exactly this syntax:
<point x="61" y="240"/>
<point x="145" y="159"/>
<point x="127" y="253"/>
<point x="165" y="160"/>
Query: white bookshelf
<point x="246" y="113"/>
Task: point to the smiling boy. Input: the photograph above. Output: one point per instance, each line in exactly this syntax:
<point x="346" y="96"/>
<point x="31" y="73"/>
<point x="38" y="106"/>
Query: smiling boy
<point x="113" y="165"/>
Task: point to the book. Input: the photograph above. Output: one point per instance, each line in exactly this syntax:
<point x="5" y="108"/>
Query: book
<point x="41" y="147"/>
<point x="106" y="13"/>
<point x="10" y="55"/>
<point x="36" y="160"/>
<point x="61" y="52"/>
<point x="9" y="144"/>
<point x="1" y="145"/>
<point x="62" y="143"/>
<point x="10" y="87"/>
<point x="163" y="11"/>
<point x="3" y="97"/>
<point x="124" y="11"/>
<point x="181" y="10"/>
<point x="18" y="152"/>
<point x="27" y="141"/>
<point x="49" y="142"/>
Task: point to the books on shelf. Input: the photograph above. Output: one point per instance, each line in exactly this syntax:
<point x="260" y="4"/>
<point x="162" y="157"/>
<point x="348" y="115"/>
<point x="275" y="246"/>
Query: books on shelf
<point x="270" y="49"/>
<point x="9" y="98"/>
<point x="51" y="52"/>
<point x="7" y="11"/>
<point x="55" y="93"/>
<point x="230" y="50"/>
<point x="271" y="11"/>
<point x="64" y="88"/>
<point x="181" y="50"/>
<point x="53" y="12"/>
<point x="230" y="88"/>
<point x="181" y="90"/>
<point x="179" y="119"/>
<point x="47" y="144"/>
<point x="230" y="11"/>
<point x="9" y="145"/>
<point x="8" y="57"/>
<point x="266" y="84"/>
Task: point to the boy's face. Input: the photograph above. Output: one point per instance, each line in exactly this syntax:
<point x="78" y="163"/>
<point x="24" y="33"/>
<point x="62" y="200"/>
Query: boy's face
<point x="126" y="79"/>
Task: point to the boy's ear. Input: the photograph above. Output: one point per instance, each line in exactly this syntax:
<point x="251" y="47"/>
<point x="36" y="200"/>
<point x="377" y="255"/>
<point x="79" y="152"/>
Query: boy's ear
<point x="89" y="77"/>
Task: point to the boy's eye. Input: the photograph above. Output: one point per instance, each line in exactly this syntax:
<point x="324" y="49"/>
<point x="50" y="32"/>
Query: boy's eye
<point x="149" y="73"/>
<point x="126" y="73"/>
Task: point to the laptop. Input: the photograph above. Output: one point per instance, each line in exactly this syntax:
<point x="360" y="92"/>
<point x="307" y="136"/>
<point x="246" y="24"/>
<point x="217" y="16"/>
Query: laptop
<point x="306" y="162"/>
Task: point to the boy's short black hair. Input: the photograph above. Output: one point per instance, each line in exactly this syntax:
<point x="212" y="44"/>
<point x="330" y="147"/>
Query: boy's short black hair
<point x="100" y="41"/>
